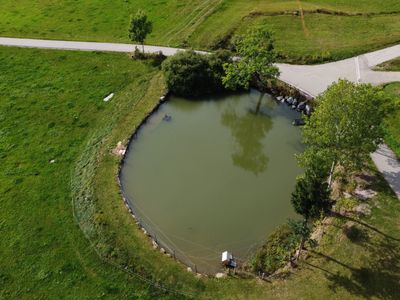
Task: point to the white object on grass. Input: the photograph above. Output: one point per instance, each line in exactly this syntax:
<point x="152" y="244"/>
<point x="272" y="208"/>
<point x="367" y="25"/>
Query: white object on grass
<point x="108" y="98"/>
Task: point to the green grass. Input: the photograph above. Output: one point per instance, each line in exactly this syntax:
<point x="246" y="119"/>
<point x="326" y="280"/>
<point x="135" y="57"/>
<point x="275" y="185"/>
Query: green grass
<point x="392" y="125"/>
<point x="391" y="65"/>
<point x="204" y="24"/>
<point x="52" y="108"/>
<point x="51" y="102"/>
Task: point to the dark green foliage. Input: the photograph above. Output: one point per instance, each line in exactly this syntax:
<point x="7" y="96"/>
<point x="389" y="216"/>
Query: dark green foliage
<point x="190" y="74"/>
<point x="300" y="229"/>
<point x="276" y="251"/>
<point x="311" y="196"/>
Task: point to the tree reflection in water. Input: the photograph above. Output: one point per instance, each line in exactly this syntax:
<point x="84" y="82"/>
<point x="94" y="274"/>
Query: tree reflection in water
<point x="248" y="131"/>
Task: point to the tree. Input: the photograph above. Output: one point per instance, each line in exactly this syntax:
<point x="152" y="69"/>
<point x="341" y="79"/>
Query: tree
<point x="139" y="28"/>
<point x="311" y="196"/>
<point x="256" y="60"/>
<point x="190" y="74"/>
<point x="346" y="125"/>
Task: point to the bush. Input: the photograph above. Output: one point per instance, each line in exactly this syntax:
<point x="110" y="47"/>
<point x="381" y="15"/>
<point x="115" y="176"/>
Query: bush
<point x="276" y="251"/>
<point x="189" y="74"/>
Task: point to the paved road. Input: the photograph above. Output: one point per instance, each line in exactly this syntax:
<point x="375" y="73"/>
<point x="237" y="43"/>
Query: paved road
<point x="386" y="162"/>
<point x="85" y="46"/>
<point x="315" y="79"/>
<point x="312" y="80"/>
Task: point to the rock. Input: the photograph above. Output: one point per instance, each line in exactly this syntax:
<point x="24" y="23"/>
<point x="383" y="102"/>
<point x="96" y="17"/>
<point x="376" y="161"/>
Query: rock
<point x="362" y="209"/>
<point x="119" y="150"/>
<point x="155" y="245"/>
<point x="298" y="122"/>
<point x="346" y="195"/>
<point x="220" y="275"/>
<point x="364" y="194"/>
<point x="301" y="106"/>
<point x="144" y="231"/>
<point x="189" y="269"/>
<point x="295" y="101"/>
<point x="279" y="98"/>
<point x="294" y="106"/>
<point x="52" y="161"/>
<point x="289" y="101"/>
<point x="162" y="250"/>
<point x="162" y="98"/>
<point x="308" y="109"/>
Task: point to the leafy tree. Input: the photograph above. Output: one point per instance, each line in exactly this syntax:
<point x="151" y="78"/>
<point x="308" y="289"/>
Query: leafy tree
<point x="139" y="28"/>
<point x="346" y="124"/>
<point x="311" y="196"/>
<point x="256" y="60"/>
<point x="190" y="74"/>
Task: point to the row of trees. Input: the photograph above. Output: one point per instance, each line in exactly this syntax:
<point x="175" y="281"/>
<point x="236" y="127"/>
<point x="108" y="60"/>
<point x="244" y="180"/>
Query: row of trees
<point x="344" y="129"/>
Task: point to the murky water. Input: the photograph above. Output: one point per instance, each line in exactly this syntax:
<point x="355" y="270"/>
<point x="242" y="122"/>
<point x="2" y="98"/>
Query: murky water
<point x="213" y="175"/>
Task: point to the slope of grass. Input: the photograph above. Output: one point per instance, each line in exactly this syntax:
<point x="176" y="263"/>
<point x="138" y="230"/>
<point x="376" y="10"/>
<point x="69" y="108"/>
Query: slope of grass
<point x="211" y="23"/>
<point x="392" y="125"/>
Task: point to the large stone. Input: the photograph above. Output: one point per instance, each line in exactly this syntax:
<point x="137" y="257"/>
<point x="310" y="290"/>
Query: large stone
<point x="364" y="194"/>
<point x="220" y="275"/>
<point x="362" y="209"/>
<point x="119" y="150"/>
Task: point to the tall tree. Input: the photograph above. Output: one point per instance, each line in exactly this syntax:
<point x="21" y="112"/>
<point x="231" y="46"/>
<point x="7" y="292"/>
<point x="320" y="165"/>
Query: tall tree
<point x="256" y="60"/>
<point x="139" y="28"/>
<point x="346" y="125"/>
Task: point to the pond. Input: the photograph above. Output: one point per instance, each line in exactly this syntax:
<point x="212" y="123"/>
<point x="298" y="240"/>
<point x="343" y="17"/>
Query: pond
<point x="213" y="175"/>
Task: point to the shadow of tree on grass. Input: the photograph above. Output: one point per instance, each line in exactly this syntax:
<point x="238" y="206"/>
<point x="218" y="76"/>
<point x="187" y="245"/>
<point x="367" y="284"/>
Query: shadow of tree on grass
<point x="381" y="278"/>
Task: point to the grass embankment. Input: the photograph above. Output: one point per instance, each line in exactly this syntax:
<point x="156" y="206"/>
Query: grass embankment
<point x="393" y="121"/>
<point x="309" y="37"/>
<point x="52" y="108"/>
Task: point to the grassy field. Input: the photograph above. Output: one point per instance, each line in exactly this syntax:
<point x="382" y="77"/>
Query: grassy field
<point x="51" y="102"/>
<point x="52" y="109"/>
<point x="311" y="37"/>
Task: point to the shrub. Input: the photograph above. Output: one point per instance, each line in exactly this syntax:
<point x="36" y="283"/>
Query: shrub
<point x="275" y="253"/>
<point x="190" y="74"/>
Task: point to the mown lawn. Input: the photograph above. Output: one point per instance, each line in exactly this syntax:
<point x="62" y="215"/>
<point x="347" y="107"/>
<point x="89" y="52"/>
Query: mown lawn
<point x="51" y="109"/>
<point x="209" y="24"/>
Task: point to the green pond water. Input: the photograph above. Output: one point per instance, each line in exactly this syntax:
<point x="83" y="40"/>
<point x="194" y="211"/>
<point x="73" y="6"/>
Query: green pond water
<point x="215" y="177"/>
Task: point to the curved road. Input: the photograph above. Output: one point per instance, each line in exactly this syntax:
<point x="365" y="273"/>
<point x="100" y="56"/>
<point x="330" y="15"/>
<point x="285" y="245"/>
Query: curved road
<point x="311" y="80"/>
